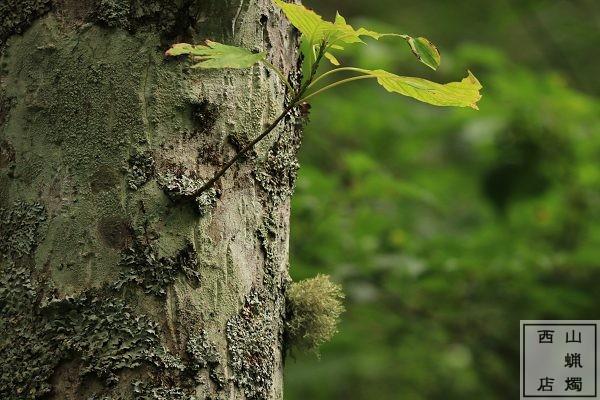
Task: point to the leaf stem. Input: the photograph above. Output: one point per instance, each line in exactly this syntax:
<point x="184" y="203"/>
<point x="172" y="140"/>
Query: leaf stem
<point x="295" y="101"/>
<point x="355" y="78"/>
<point x="279" y="73"/>
<point x="243" y="151"/>
<point x="333" y="71"/>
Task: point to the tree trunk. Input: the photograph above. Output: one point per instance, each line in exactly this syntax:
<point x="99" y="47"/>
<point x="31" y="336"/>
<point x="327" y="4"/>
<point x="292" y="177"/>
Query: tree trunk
<point x="115" y="283"/>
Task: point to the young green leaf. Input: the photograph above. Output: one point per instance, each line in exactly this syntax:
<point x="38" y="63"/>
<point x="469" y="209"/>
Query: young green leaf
<point x="341" y="31"/>
<point x="318" y="39"/>
<point x="424" y="50"/>
<point x="315" y="31"/>
<point x="217" y="55"/>
<point x="458" y="94"/>
<point x="309" y="23"/>
<point x="332" y="58"/>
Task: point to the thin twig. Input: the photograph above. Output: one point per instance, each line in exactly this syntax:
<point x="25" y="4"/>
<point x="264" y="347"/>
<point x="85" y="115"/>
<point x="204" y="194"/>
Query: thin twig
<point x="249" y="146"/>
<point x="295" y="101"/>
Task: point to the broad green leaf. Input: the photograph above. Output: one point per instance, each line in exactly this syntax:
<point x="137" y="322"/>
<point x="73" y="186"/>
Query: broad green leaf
<point x="457" y="94"/>
<point x="315" y="30"/>
<point x="309" y="23"/>
<point x="217" y="55"/>
<point x="341" y="31"/>
<point x="424" y="50"/>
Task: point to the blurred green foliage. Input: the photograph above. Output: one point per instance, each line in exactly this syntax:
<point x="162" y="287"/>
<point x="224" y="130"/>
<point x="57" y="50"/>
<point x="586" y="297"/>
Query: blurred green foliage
<point x="446" y="227"/>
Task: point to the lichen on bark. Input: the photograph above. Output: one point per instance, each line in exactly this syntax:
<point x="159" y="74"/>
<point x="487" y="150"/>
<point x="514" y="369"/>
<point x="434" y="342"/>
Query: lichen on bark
<point x="100" y="268"/>
<point x="251" y="335"/>
<point x="17" y="15"/>
<point x="141" y="169"/>
<point x="40" y="330"/>
<point x="19" y="228"/>
<point x="277" y="172"/>
<point x="144" y="267"/>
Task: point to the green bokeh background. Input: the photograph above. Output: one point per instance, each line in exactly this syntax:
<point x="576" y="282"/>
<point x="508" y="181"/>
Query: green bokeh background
<point x="447" y="226"/>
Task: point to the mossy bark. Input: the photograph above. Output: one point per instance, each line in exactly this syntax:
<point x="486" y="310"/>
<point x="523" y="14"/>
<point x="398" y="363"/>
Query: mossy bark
<point x="114" y="283"/>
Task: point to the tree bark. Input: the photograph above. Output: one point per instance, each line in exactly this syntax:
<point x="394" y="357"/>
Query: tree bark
<point x="115" y="283"/>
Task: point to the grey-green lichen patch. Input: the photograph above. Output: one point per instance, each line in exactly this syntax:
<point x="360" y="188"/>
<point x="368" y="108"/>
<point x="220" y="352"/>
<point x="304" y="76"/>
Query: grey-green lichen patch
<point x="106" y="334"/>
<point x="64" y="96"/>
<point x="206" y="200"/>
<point x="28" y="356"/>
<point x="185" y="186"/>
<point x="4" y="105"/>
<point x="179" y="186"/>
<point x="17" y="15"/>
<point x="251" y="340"/>
<point x="203" y="354"/>
<point x="82" y="243"/>
<point x="169" y="16"/>
<point x="82" y="95"/>
<point x="4" y="188"/>
<point x="271" y="278"/>
<point x="19" y="228"/>
<point x="277" y="172"/>
<point x="114" y="13"/>
<point x="59" y="191"/>
<point x="29" y="168"/>
<point x="38" y="332"/>
<point x="141" y="169"/>
<point x="202" y="351"/>
<point x="154" y="274"/>
<point x="142" y="391"/>
<point x="313" y="308"/>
